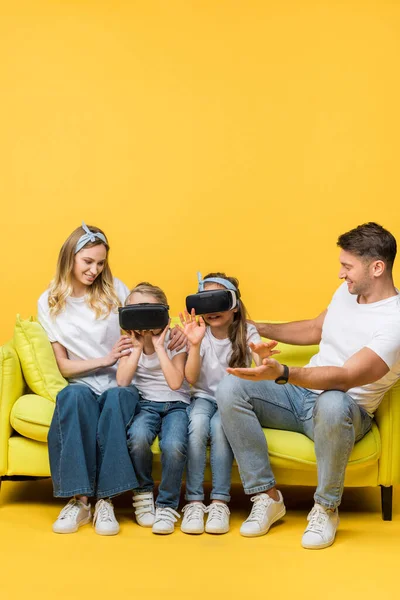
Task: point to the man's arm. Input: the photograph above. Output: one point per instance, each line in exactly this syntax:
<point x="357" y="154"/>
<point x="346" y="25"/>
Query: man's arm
<point x="298" y="333"/>
<point x="362" y="368"/>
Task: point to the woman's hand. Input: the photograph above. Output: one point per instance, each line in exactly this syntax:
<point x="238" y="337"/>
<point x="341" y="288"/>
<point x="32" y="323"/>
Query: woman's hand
<point x="121" y="348"/>
<point x="194" y="329"/>
<point x="264" y="349"/>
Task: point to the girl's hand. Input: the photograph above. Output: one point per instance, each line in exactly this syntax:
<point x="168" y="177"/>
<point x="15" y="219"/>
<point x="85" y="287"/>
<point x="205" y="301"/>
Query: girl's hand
<point x="121" y="348"/>
<point x="178" y="339"/>
<point x="137" y="340"/>
<point x="264" y="349"/>
<point x="159" y="340"/>
<point x="194" y="329"/>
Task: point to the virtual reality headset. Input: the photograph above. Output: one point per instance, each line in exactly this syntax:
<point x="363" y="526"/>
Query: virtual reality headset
<point x="212" y="301"/>
<point x="138" y="317"/>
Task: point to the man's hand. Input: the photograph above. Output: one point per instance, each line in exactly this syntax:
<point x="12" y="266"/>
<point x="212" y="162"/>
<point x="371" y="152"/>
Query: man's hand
<point x="269" y="370"/>
<point x="178" y="339"/>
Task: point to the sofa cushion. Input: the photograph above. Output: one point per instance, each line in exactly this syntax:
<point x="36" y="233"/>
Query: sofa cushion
<point x="31" y="416"/>
<point x="37" y="359"/>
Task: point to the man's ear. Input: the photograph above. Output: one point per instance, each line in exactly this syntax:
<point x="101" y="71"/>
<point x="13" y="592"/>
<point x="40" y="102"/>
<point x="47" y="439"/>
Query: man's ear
<point x="378" y="268"/>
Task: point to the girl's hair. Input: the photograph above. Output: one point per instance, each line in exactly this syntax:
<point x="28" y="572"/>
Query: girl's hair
<point x="237" y="330"/>
<point x="146" y="288"/>
<point x="100" y="297"/>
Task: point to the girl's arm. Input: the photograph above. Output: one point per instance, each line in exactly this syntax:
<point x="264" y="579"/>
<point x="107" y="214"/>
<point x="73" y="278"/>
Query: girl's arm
<point x="193" y="364"/>
<point x="174" y="370"/>
<point x="128" y="364"/>
<point x="71" y="368"/>
<point x="195" y="331"/>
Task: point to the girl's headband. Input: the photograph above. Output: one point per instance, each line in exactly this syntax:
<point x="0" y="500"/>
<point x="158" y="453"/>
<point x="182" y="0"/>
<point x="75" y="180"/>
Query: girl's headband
<point x="225" y="282"/>
<point x="89" y="236"/>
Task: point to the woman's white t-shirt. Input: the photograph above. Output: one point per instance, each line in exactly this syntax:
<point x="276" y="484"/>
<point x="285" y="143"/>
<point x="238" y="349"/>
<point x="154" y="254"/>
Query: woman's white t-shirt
<point x="83" y="336"/>
<point x="215" y="356"/>
<point x="150" y="379"/>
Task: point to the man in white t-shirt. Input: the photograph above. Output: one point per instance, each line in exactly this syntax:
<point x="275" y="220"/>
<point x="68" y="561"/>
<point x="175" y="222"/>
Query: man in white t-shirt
<point x="333" y="398"/>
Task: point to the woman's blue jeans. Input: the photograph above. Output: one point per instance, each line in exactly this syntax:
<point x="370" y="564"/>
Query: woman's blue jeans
<point x="87" y="442"/>
<point x="204" y="425"/>
<point x="169" y="421"/>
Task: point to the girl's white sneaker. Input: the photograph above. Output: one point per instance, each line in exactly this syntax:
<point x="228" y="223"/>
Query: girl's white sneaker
<point x="144" y="508"/>
<point x="165" y="520"/>
<point x="193" y="519"/>
<point x="218" y="518"/>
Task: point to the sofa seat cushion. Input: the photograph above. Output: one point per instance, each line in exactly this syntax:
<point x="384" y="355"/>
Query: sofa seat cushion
<point x="31" y="416"/>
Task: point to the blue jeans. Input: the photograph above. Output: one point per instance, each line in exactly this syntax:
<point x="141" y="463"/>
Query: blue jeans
<point x="87" y="442"/>
<point x="332" y="419"/>
<point x="205" y="424"/>
<point x="169" y="421"/>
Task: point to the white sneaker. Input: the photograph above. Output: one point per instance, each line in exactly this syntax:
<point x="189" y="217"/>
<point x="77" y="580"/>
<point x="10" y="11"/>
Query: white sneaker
<point x="104" y="520"/>
<point x="321" y="529"/>
<point x="264" y="513"/>
<point x="165" y="520"/>
<point x="73" y="515"/>
<point x="218" y="518"/>
<point x="193" y="520"/>
<point x="144" y="508"/>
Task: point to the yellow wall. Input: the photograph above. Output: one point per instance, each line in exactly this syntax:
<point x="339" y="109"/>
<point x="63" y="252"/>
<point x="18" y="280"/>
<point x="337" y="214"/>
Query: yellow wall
<point x="234" y="135"/>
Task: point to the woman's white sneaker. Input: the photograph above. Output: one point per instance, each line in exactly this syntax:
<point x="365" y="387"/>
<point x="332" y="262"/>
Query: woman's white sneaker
<point x="144" y="508"/>
<point x="73" y="515"/>
<point x="104" y="520"/>
<point x="321" y="529"/>
<point x="218" y="518"/>
<point x="193" y="518"/>
<point x="165" y="520"/>
<point x="264" y="513"/>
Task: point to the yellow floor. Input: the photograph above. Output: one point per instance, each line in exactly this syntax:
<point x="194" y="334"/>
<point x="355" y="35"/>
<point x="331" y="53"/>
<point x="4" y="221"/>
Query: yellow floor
<point x="363" y="563"/>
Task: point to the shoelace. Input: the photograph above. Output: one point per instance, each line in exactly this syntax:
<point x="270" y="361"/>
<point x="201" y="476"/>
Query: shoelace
<point x="259" y="506"/>
<point x="194" y="511"/>
<point x="143" y="505"/>
<point x="317" y="520"/>
<point x="70" y="510"/>
<point x="104" y="511"/>
<point x="167" y="514"/>
<point x="217" y="510"/>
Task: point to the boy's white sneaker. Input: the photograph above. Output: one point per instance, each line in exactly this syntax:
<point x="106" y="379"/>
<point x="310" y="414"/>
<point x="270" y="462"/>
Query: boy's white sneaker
<point x="193" y="518"/>
<point x="165" y="520"/>
<point x="218" y="518"/>
<point x="104" y="520"/>
<point x="321" y="529"/>
<point x="144" y="508"/>
<point x="264" y="513"/>
<point x="73" y="515"/>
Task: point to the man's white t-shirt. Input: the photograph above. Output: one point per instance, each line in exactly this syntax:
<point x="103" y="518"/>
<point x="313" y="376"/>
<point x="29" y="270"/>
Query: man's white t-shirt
<point x="215" y="356"/>
<point x="83" y="336"/>
<point x="349" y="327"/>
<point x="150" y="379"/>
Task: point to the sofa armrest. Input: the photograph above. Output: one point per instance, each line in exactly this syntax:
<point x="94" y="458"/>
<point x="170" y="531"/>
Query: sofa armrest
<point x="388" y="420"/>
<point x="12" y="386"/>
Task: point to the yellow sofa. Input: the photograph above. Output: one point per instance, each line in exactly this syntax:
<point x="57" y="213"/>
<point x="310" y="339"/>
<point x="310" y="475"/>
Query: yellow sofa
<point x="375" y="460"/>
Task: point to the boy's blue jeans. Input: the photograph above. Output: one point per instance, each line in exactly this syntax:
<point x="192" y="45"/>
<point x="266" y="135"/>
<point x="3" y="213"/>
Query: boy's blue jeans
<point x="169" y="421"/>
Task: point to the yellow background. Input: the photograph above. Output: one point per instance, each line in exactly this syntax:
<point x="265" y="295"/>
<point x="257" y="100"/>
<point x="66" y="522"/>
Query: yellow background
<point x="242" y="136"/>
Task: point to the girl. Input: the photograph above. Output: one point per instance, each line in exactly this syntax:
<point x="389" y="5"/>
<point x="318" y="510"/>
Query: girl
<point x="158" y="374"/>
<point x="218" y="341"/>
<point x="87" y="436"/>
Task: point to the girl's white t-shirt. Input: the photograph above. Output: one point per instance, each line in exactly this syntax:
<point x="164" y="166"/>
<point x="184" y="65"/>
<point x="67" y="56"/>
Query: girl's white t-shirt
<point x="83" y="336"/>
<point x="215" y="355"/>
<point x="150" y="379"/>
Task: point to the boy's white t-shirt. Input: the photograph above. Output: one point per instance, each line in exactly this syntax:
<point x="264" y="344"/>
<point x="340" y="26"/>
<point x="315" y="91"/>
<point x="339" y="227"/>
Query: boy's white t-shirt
<point x="215" y="355"/>
<point x="150" y="379"/>
<point x="349" y="327"/>
<point x="83" y="336"/>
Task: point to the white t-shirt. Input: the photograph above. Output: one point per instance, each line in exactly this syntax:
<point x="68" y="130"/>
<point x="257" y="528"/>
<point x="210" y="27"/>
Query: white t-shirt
<point x="83" y="336"/>
<point x="215" y="355"/>
<point x="150" y="379"/>
<point x="349" y="327"/>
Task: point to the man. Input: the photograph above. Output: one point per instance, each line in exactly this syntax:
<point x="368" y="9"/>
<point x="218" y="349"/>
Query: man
<point x="333" y="398"/>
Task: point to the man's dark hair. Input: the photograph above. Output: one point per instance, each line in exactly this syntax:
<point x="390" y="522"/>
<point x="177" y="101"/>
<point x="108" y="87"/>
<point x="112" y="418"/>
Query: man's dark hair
<point x="370" y="240"/>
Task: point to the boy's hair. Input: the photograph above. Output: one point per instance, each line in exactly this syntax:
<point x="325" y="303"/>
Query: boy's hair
<point x="147" y="288"/>
<point x="240" y="356"/>
<point x="370" y="240"/>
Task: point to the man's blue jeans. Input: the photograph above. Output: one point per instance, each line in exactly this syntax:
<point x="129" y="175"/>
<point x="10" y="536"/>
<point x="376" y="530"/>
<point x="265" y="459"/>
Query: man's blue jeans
<point x="332" y="419"/>
<point x="169" y="421"/>
<point x="87" y="442"/>
<point x="204" y="425"/>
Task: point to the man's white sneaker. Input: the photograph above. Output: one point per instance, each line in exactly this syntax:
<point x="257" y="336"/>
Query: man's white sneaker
<point x="218" y="518"/>
<point x="104" y="520"/>
<point x="73" y="515"/>
<point x="193" y="518"/>
<point x="165" y="520"/>
<point x="144" y="508"/>
<point x="264" y="513"/>
<point x="321" y="529"/>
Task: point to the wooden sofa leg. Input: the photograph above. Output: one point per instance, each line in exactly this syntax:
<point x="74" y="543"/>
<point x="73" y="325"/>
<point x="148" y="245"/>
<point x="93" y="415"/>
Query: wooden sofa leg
<point x="386" y="500"/>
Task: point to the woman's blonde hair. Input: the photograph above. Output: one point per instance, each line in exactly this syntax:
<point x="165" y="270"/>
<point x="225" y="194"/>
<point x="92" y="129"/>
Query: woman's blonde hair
<point x="241" y="355"/>
<point x="146" y="288"/>
<point x="100" y="297"/>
